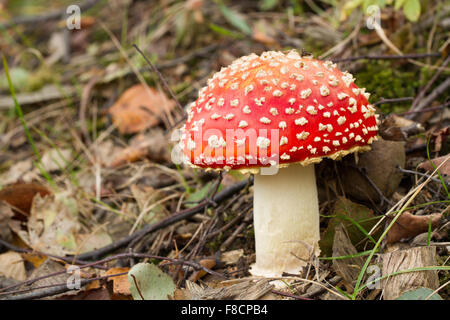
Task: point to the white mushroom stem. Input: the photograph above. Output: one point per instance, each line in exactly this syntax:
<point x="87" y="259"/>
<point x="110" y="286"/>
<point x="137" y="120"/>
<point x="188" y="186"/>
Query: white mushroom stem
<point x="286" y="220"/>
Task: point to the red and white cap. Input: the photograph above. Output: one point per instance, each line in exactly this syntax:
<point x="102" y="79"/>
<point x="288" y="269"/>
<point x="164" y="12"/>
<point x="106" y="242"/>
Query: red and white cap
<point x="278" y="109"/>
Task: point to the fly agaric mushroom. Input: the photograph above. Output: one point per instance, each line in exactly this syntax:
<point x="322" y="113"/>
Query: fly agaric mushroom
<point x="282" y="111"/>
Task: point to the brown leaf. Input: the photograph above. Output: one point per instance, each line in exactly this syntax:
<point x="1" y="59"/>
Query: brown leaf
<point x="139" y="108"/>
<point x="445" y="169"/>
<point x="152" y="145"/>
<point x="5" y="217"/>
<point x="348" y="269"/>
<point x="207" y="263"/>
<point x="12" y="266"/>
<point x="120" y="283"/>
<point x="53" y="225"/>
<point x="396" y="128"/>
<point x="16" y="171"/>
<point x="437" y="139"/>
<point x="21" y="196"/>
<point x="409" y="225"/>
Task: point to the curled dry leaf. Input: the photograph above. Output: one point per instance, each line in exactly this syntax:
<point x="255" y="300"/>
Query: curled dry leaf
<point x="139" y="108"/>
<point x="207" y="263"/>
<point x="345" y="211"/>
<point x="232" y="257"/>
<point x="445" y="169"/>
<point x="396" y="128"/>
<point x="409" y="225"/>
<point x="348" y="269"/>
<point x="12" y="266"/>
<point x="439" y="138"/>
<point x="16" y="172"/>
<point x="120" y="283"/>
<point x="152" y="145"/>
<point x="5" y="216"/>
<point x="380" y="165"/>
<point x="20" y="196"/>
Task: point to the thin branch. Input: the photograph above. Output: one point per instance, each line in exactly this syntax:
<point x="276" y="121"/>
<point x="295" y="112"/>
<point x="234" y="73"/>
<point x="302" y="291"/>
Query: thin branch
<point x="393" y="100"/>
<point x="421" y="94"/>
<point x="183" y="214"/>
<point x="439" y="107"/>
<point x="289" y="295"/>
<point x="137" y="286"/>
<point x="390" y="57"/>
<point x="160" y="76"/>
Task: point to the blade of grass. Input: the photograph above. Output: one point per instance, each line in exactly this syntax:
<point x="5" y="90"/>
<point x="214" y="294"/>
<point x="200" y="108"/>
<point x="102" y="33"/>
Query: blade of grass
<point x="359" y="254"/>
<point x="434" y="167"/>
<point x="19" y="112"/>
<point x="357" y="288"/>
<point x="438" y="268"/>
<point x="429" y="232"/>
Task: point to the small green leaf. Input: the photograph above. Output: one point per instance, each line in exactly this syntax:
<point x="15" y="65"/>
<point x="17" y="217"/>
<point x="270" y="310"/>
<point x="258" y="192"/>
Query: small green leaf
<point x="398" y="4"/>
<point x="225" y="32"/>
<point x="198" y="195"/>
<point x="411" y="9"/>
<point x="152" y="283"/>
<point x="419" y="294"/>
<point x="356" y="218"/>
<point x="19" y="78"/>
<point x="268" y="4"/>
<point x="235" y="19"/>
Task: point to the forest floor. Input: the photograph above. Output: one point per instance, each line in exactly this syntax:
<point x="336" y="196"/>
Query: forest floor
<point x="88" y="188"/>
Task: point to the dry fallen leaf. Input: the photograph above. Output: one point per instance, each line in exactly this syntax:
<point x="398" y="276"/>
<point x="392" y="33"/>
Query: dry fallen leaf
<point x="396" y="128"/>
<point x="139" y="108"/>
<point x="16" y="172"/>
<point x="207" y="263"/>
<point x="5" y="216"/>
<point x="232" y="257"/>
<point x="12" y="266"/>
<point x="348" y="269"/>
<point x="445" y="169"/>
<point x="438" y="138"/>
<point x="21" y="195"/>
<point x="152" y="145"/>
<point x="53" y="225"/>
<point x="409" y="225"/>
<point x="56" y="159"/>
<point x="120" y="283"/>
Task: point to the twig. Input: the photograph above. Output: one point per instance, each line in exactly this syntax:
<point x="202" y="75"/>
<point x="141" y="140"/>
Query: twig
<point x="390" y="57"/>
<point x="136" y="285"/>
<point x="429" y="84"/>
<point x="362" y="172"/>
<point x="289" y="295"/>
<point x="443" y="87"/>
<point x="70" y="260"/>
<point x="52" y="289"/>
<point x="442" y="106"/>
<point x="163" y="80"/>
<point x="333" y="281"/>
<point x="236" y="232"/>
<point x="177" y="61"/>
<point x="393" y="100"/>
<point x="183" y="214"/>
<point x="192" y="264"/>
<point x="420" y="174"/>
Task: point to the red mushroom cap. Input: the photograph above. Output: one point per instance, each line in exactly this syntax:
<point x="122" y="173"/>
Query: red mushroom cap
<point x="277" y="108"/>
